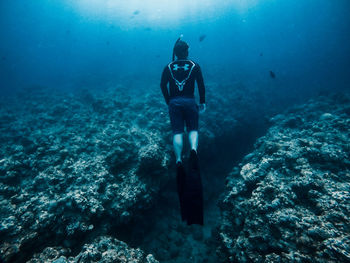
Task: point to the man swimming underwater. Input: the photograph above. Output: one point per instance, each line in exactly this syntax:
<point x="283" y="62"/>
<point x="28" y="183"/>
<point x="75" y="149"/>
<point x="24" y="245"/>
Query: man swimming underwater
<point x="181" y="75"/>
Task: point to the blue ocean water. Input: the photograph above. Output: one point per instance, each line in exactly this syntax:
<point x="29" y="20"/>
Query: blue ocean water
<point x="73" y="43"/>
<point x="94" y="130"/>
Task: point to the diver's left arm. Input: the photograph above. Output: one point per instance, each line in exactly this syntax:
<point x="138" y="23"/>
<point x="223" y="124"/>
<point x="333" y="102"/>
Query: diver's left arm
<point x="164" y="84"/>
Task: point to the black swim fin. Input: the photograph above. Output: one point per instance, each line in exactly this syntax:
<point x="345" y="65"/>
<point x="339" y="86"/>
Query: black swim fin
<point x="193" y="195"/>
<point x="181" y="178"/>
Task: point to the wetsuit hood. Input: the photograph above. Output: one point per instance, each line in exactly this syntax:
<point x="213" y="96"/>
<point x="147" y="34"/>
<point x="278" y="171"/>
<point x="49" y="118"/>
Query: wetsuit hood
<point x="180" y="49"/>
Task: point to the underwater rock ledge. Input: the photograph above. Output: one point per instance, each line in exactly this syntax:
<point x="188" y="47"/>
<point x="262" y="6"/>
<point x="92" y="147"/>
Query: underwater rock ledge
<point x="73" y="166"/>
<point x="78" y="166"/>
<point x="289" y="200"/>
<point x="103" y="249"/>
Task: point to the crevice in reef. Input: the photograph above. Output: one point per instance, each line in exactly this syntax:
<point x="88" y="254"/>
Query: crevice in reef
<point x="160" y="231"/>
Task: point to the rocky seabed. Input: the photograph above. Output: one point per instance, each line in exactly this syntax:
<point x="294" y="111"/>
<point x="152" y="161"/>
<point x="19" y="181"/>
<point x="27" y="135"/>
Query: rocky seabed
<point x="289" y="200"/>
<point x="74" y="167"/>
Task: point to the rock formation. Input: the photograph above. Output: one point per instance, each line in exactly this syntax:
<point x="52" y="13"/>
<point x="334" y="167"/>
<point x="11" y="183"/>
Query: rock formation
<point x="289" y="200"/>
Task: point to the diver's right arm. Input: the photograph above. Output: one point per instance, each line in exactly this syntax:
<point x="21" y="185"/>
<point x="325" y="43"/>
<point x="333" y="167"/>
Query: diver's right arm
<point x="201" y="89"/>
<point x="164" y="84"/>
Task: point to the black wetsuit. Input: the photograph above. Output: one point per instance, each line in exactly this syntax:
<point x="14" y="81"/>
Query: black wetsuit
<point x="181" y="76"/>
<point x="175" y="73"/>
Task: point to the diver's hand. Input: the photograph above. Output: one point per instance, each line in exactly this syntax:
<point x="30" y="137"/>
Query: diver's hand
<point x="202" y="108"/>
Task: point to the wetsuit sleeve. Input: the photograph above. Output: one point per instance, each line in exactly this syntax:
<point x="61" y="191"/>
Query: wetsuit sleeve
<point x="164" y="84"/>
<point x="200" y="83"/>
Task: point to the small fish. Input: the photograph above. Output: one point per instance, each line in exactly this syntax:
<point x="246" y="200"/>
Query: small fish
<point x="272" y="74"/>
<point x="8" y="248"/>
<point x="202" y="37"/>
<point x="261" y="54"/>
<point x="107" y="43"/>
<point x="3" y="58"/>
<point x="136" y="12"/>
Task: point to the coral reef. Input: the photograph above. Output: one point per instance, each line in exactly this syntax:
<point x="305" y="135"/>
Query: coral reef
<point x="289" y="200"/>
<point x="103" y="249"/>
<point x="81" y="168"/>
<point x="74" y="163"/>
<point x="79" y="164"/>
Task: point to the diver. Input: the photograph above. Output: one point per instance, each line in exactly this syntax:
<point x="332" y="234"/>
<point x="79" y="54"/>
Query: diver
<point x="180" y="75"/>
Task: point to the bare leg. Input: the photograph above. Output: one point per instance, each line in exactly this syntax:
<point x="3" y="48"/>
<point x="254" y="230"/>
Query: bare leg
<point x="178" y="145"/>
<point x="193" y="138"/>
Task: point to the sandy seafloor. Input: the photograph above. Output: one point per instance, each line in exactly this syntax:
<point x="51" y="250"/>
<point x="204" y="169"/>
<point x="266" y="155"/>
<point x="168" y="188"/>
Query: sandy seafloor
<point x="89" y="176"/>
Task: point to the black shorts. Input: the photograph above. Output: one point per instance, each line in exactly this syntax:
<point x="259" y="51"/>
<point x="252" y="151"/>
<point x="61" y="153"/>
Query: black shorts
<point x="183" y="110"/>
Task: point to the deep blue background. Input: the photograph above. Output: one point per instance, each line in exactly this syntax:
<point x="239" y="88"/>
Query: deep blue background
<point x="51" y="43"/>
